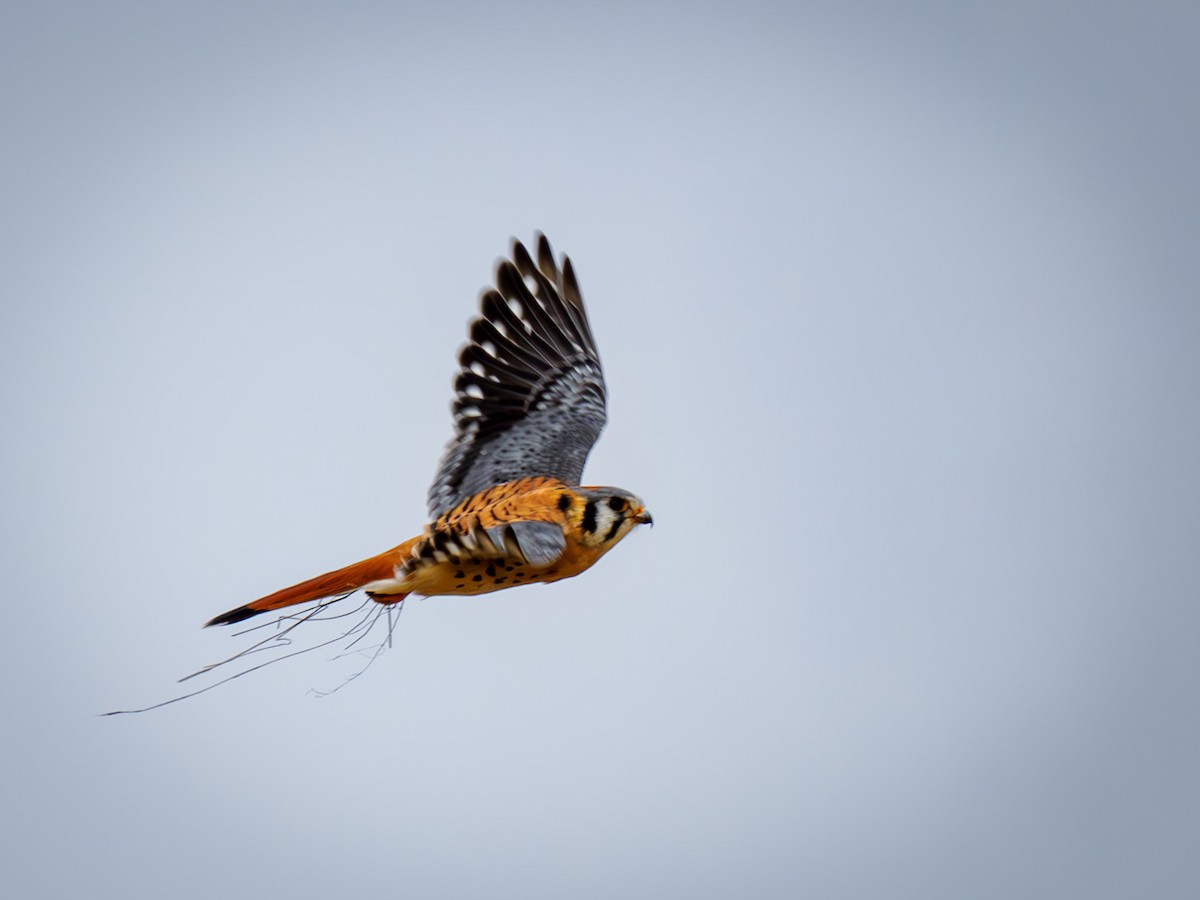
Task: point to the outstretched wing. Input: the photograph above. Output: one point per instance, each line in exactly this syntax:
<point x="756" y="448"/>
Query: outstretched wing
<point x="529" y="399"/>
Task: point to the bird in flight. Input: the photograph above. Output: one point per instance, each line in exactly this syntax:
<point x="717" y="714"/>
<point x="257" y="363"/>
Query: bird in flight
<point x="506" y="507"/>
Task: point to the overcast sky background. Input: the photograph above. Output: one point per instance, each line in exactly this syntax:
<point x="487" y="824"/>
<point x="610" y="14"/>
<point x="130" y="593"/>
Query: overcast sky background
<point x="899" y="313"/>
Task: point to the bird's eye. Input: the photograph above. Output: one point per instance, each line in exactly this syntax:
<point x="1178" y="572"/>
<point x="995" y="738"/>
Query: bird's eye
<point x="616" y="504"/>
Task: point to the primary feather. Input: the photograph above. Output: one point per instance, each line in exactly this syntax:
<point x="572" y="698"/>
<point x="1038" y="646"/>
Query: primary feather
<point x="529" y="398"/>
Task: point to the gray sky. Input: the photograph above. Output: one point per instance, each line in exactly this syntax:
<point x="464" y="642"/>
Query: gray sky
<point x="899" y="314"/>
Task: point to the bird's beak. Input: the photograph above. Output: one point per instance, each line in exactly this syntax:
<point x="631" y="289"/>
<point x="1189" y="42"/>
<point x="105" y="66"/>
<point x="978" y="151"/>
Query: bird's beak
<point x="644" y="518"/>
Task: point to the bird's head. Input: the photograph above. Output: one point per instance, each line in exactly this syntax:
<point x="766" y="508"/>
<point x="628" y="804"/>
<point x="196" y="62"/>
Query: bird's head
<point x="607" y="514"/>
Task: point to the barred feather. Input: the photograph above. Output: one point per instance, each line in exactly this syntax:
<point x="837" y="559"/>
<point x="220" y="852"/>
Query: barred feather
<point x="530" y="396"/>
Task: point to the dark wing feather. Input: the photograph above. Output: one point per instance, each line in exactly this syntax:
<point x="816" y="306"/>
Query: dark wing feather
<point x="529" y="399"/>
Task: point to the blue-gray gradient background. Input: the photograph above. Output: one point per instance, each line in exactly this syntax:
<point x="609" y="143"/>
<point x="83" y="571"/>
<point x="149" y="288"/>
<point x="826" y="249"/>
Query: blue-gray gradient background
<point x="898" y="304"/>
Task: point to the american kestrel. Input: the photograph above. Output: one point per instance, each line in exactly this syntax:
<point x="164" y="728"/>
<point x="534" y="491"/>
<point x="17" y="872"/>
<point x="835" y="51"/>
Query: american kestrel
<point x="506" y="507"/>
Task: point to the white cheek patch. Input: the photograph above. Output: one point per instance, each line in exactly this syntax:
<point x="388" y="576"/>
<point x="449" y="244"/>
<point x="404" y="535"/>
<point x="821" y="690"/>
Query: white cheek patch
<point x="608" y="524"/>
<point x="603" y="520"/>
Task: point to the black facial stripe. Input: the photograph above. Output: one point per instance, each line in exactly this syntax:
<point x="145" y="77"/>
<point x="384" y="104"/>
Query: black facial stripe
<point x="564" y="502"/>
<point x="589" y="517"/>
<point x="612" y="529"/>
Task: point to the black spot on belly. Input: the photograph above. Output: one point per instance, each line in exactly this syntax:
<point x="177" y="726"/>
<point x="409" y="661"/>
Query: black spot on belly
<point x="501" y="580"/>
<point x="460" y="574"/>
<point x="477" y="578"/>
<point x="491" y="570"/>
<point x="459" y="587"/>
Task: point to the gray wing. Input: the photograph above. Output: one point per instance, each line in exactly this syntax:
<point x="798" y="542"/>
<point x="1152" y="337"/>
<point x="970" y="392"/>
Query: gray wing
<point x="539" y="543"/>
<point x="529" y="398"/>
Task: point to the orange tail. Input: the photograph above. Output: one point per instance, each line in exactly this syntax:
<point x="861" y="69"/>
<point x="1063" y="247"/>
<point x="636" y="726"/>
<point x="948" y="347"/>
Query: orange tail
<point x="341" y="581"/>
